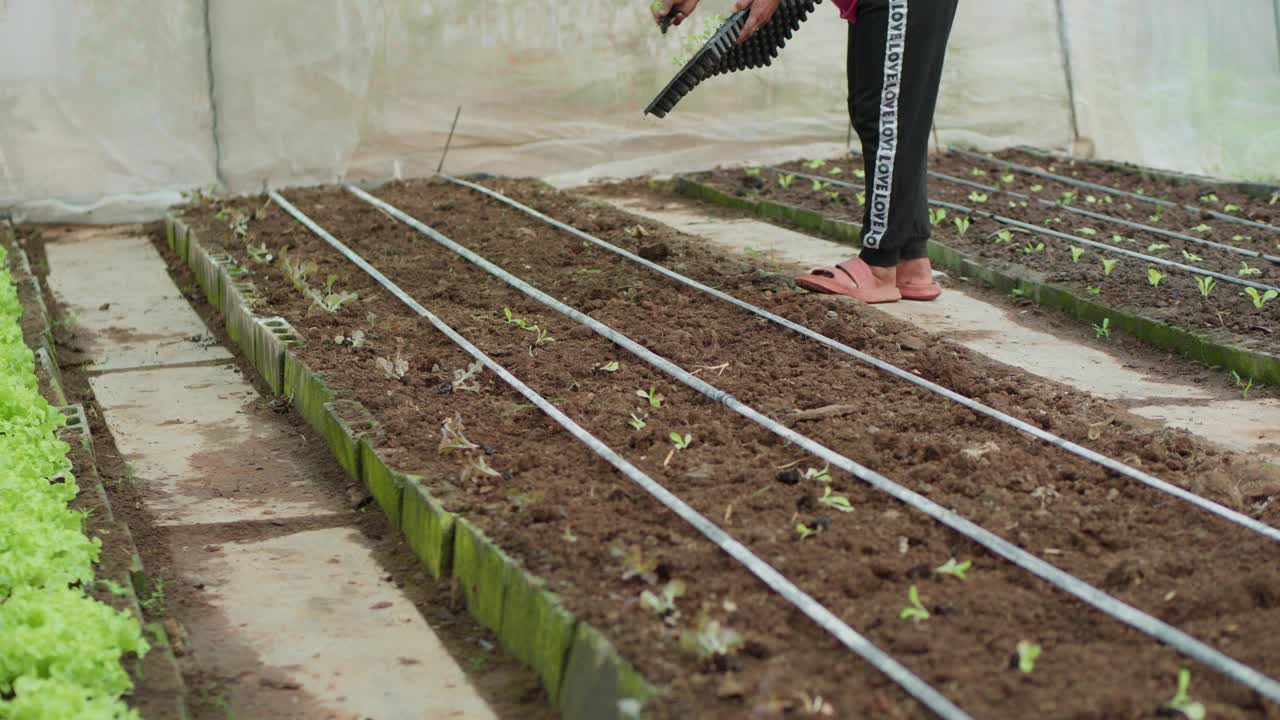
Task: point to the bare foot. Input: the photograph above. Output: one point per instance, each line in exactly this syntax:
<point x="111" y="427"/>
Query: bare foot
<point x="915" y="272"/>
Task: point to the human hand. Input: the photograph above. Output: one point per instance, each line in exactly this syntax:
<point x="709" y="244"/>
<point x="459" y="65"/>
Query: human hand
<point x="674" y="10"/>
<point x="761" y="11"/>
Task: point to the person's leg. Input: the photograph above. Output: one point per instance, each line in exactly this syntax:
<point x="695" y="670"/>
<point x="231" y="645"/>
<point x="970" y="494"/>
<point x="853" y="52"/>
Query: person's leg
<point x="895" y="66"/>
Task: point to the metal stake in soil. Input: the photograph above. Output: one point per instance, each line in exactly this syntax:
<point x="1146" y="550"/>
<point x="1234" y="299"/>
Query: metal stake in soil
<point x="449" y="140"/>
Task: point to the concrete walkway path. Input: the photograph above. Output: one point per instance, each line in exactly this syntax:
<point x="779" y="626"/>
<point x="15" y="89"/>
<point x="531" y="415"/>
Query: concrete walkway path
<point x="297" y="617"/>
<point x="1242" y="425"/>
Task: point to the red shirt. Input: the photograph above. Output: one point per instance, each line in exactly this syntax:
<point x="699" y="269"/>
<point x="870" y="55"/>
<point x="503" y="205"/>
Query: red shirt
<point x="846" y="8"/>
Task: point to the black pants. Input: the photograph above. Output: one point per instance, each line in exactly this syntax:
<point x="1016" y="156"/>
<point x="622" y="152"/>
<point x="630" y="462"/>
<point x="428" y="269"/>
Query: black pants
<point x="896" y="49"/>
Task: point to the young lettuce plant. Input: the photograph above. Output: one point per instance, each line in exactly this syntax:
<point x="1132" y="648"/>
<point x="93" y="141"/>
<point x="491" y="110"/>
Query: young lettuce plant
<point x="465" y="379"/>
<point x="610" y="367"/>
<point x="652" y="395"/>
<point x="1032" y="248"/>
<point x="953" y="568"/>
<point x="636" y="423"/>
<point x="816" y="164"/>
<point x="915" y="610"/>
<point x="1087" y="231"/>
<point x="395" y="368"/>
<point x="837" y="502"/>
<point x="453" y="437"/>
<point x="1246" y="270"/>
<point x="936" y="216"/>
<point x="1206" y="284"/>
<point x="1076" y="253"/>
<point x="259" y="253"/>
<point x="786" y="180"/>
<point x="804" y="531"/>
<point x="752" y="171"/>
<point x="681" y="442"/>
<point x="978" y="172"/>
<point x="1008" y="178"/>
<point x="1202" y="228"/>
<point x="1260" y="299"/>
<point x="328" y="300"/>
<point x="823" y="475"/>
<point x="1103" y="330"/>
<point x="962" y="225"/>
<point x="1093" y="290"/>
<point x="1191" y="257"/>
<point x="1109" y="264"/>
<point x="1025" y="656"/>
<point x="1154" y="277"/>
<point x="1181" y="703"/>
<point x="819" y="186"/>
<point x="664" y="604"/>
<point x="710" y="640"/>
<point x="1004" y="236"/>
<point x="978" y="197"/>
<point x="1157" y="247"/>
<point x="835" y="170"/>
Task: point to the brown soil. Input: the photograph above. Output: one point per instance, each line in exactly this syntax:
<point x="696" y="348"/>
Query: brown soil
<point x="559" y="510"/>
<point x="1227" y="315"/>
<point x="511" y="690"/>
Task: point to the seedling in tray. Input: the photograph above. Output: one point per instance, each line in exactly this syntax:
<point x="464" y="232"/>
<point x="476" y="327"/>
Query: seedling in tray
<point x="1181" y="703"/>
<point x="954" y="569"/>
<point x="1260" y="299"/>
<point x="916" y="610"/>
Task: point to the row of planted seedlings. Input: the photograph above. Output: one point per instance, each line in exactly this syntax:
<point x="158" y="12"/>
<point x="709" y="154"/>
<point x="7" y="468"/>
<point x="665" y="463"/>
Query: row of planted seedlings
<point x="1175" y="307"/>
<point x="62" y="649"/>
<point x="854" y="550"/>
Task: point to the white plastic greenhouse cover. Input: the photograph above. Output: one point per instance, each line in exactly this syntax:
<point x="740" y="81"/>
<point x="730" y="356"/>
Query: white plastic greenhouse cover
<point x="106" y="110"/>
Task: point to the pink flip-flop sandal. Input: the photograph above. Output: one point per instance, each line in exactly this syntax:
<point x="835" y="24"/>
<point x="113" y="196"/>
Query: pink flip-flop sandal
<point x="852" y="278"/>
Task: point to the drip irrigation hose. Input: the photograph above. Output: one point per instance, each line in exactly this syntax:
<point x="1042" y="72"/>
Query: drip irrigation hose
<point x="1103" y="217"/>
<point x="824" y="618"/>
<point x="1052" y="233"/>
<point x="1121" y="611"/>
<point x="1110" y="190"/>
<point x="1038" y="433"/>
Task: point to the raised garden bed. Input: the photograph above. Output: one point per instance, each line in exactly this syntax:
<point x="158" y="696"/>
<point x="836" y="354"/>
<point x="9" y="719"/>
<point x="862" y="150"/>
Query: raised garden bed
<point x="597" y="541"/>
<point x="1224" y="327"/>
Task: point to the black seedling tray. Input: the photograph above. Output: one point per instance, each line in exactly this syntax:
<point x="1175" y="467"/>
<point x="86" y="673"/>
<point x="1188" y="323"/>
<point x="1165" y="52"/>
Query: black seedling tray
<point x="721" y="54"/>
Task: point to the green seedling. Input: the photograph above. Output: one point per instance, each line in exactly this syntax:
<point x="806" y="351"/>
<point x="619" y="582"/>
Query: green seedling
<point x="838" y="502"/>
<point x="786" y="180"/>
<point x="328" y="300"/>
<point x="1246" y="270"/>
<point x="1122" y="239"/>
<point x="1230" y="208"/>
<point x="862" y="198"/>
<point x="822" y="475"/>
<point x="804" y="531"/>
<point x="711" y="640"/>
<point x="819" y="186"/>
<point x="1206" y="284"/>
<point x="978" y="172"/>
<point x="681" y="442"/>
<point x="962" y="225"/>
<point x="936" y="216"/>
<point x="1260" y="299"/>
<point x="862" y="174"/>
<point x="1091" y="200"/>
<point x="1191" y="257"/>
<point x="1093" y="290"/>
<point x="1007" y="178"/>
<point x="1087" y="231"/>
<point x="1157" y="247"/>
<point x="240" y="225"/>
<point x="464" y="379"/>
<point x="1156" y="216"/>
<point x="1076" y="253"/>
<point x="477" y="469"/>
<point x="1245" y="387"/>
<point x="544" y="336"/>
<point x="978" y="197"/>
<point x="636" y="423"/>
<point x="916" y="610"/>
<point x="1032" y="248"/>
<point x="1211" y="198"/>
<point x="953" y="568"/>
<point x="1182" y="703"/>
<point x="1108" y="265"/>
<point x="1036" y="188"/>
<point x="395" y="367"/>
<point x="1068" y="197"/>
<point x="1027" y="654"/>
<point x="1103" y="330"/>
<point x="635" y="566"/>
<point x="1202" y="228"/>
<point x="836" y="170"/>
<point x="833" y="195"/>
<point x="655" y="400"/>
<point x="664" y="604"/>
<point x="113" y="587"/>
<point x="610" y="367"/>
<point x="154" y="602"/>
<point x="453" y="436"/>
<point x="1017" y="294"/>
<point x="297" y="272"/>
<point x="1154" y="277"/>
<point x="1242" y="238"/>
<point x="815" y="164"/>
<point x="1004" y="236"/>
<point x="1013" y="203"/>
<point x="259" y="253"/>
<point x="752" y="171"/>
<point x="694" y="41"/>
